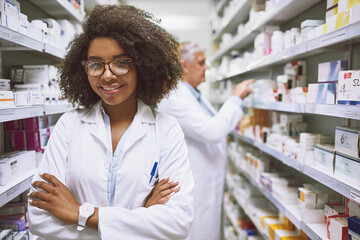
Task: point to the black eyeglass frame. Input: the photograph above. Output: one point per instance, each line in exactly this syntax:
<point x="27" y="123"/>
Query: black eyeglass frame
<point x="86" y="63"/>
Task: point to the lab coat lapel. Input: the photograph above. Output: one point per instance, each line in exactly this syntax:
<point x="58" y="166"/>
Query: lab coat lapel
<point x="209" y="106"/>
<point x="95" y="118"/>
<point x="140" y="125"/>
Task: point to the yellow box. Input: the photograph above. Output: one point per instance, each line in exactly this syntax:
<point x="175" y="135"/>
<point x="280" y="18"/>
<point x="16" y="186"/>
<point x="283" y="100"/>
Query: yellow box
<point x="342" y="19"/>
<point x="347" y="4"/>
<point x="273" y="227"/>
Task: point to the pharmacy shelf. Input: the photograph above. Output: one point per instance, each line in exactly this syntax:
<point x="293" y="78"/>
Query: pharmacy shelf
<point x="59" y="9"/>
<point x="248" y="213"/>
<point x="9" y="114"/>
<point x="313" y="230"/>
<point x="12" y="40"/>
<point x="290" y="210"/>
<point x="281" y="12"/>
<point x="219" y="6"/>
<point x="54" y="51"/>
<point x="334" y="110"/>
<point x="232" y="219"/>
<point x="340" y="38"/>
<point x="15" y="187"/>
<point x="341" y="187"/>
<point x="238" y="16"/>
<point x="276" y="58"/>
<point x="272" y="152"/>
<point x="50" y="109"/>
<point x="278" y="106"/>
<point x="337" y="185"/>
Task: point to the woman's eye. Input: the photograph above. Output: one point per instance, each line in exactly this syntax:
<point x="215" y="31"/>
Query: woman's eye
<point x="95" y="65"/>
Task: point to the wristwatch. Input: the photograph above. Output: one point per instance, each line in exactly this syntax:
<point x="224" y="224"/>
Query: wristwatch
<point x="86" y="210"/>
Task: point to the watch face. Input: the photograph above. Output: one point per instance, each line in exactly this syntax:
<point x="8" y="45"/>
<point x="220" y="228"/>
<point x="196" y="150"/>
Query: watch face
<point x="86" y="209"/>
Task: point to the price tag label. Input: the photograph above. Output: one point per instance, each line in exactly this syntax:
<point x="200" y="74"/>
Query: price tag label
<point x="355" y="196"/>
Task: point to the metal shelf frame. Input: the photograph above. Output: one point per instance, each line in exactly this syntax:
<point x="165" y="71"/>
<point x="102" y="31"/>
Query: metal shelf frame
<point x="332" y="110"/>
<point x="15" y="187"/>
<point x="314" y="231"/>
<point x="11" y="40"/>
<point x="339" y="186"/>
<point x="10" y="114"/>
<point x="238" y="16"/>
<point x="339" y="38"/>
<point x="281" y="12"/>
<point x="59" y="9"/>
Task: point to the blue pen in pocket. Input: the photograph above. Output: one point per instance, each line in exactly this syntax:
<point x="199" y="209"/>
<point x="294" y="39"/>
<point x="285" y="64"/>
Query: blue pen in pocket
<point x="153" y="171"/>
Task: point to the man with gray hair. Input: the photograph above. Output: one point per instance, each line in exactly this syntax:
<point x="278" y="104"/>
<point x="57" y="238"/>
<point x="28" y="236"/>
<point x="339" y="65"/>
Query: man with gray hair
<point x="205" y="132"/>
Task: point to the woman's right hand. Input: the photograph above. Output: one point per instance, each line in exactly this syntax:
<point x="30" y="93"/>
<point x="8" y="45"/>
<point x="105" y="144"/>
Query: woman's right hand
<point x="162" y="192"/>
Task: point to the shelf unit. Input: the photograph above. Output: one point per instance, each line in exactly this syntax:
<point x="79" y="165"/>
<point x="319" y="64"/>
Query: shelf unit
<point x="343" y="43"/>
<point x="10" y="114"/>
<point x="238" y="15"/>
<point x="340" y="38"/>
<point x="246" y="210"/>
<point x="312" y="230"/>
<point x="11" y="40"/>
<point x="339" y="186"/>
<point x="15" y="187"/>
<point x="232" y="219"/>
<point x="332" y="110"/>
<point x="59" y="9"/>
<point x="281" y="12"/>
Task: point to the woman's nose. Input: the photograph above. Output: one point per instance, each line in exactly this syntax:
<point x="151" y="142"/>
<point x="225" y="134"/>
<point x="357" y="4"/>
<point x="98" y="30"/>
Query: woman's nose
<point x="107" y="75"/>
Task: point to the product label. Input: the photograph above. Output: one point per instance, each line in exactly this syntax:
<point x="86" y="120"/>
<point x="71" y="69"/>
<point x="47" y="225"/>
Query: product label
<point x="355" y="196"/>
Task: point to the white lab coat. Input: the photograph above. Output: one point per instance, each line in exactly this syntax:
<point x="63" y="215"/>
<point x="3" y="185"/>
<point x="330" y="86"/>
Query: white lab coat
<point x="205" y="136"/>
<point x="77" y="154"/>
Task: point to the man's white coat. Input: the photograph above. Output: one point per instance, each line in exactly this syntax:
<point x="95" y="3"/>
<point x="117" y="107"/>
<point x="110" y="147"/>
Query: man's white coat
<point x="205" y="138"/>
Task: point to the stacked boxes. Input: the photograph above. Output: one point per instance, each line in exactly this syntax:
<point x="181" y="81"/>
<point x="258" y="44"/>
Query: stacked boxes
<point x="30" y="134"/>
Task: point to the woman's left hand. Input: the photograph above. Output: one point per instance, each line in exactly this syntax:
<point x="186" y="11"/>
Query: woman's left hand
<point x="56" y="199"/>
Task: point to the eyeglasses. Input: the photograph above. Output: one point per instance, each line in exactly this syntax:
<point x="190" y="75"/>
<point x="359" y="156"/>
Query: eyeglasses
<point x="97" y="68"/>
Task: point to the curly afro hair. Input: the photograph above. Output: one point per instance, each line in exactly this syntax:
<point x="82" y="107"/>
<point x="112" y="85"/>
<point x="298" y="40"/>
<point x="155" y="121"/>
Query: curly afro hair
<point x="154" y="51"/>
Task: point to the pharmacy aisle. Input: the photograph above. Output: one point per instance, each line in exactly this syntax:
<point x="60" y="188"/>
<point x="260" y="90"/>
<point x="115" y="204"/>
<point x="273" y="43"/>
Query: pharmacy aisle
<point x="33" y="37"/>
<point x="293" y="161"/>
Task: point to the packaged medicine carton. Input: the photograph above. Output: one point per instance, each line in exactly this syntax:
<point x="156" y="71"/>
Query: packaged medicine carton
<point x="347" y="169"/>
<point x="12" y="209"/>
<point x="323" y="160"/>
<point x="337" y="228"/>
<point x="329" y="71"/>
<point x="348" y="87"/>
<point x="36" y="123"/>
<point x="6" y="99"/>
<point x="352" y="208"/>
<point x="4" y="84"/>
<point x="354" y="228"/>
<point x="28" y="98"/>
<point x="13" y="125"/>
<point x="10" y="10"/>
<point x="14" y="163"/>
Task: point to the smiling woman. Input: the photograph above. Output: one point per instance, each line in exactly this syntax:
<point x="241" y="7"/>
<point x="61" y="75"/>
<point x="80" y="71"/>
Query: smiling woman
<point x="116" y="161"/>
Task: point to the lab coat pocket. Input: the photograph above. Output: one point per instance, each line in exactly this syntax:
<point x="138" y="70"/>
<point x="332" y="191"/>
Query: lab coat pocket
<point x="144" y="188"/>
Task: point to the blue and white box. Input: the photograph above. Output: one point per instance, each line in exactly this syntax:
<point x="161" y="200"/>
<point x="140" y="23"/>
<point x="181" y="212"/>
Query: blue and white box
<point x="329" y="71"/>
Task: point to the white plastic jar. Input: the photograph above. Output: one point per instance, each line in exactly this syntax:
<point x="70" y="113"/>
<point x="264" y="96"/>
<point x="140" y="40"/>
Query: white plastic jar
<point x="277" y="41"/>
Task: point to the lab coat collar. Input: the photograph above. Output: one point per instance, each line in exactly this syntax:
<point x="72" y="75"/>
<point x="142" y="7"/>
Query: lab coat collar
<point x="143" y="118"/>
<point x="144" y="113"/>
